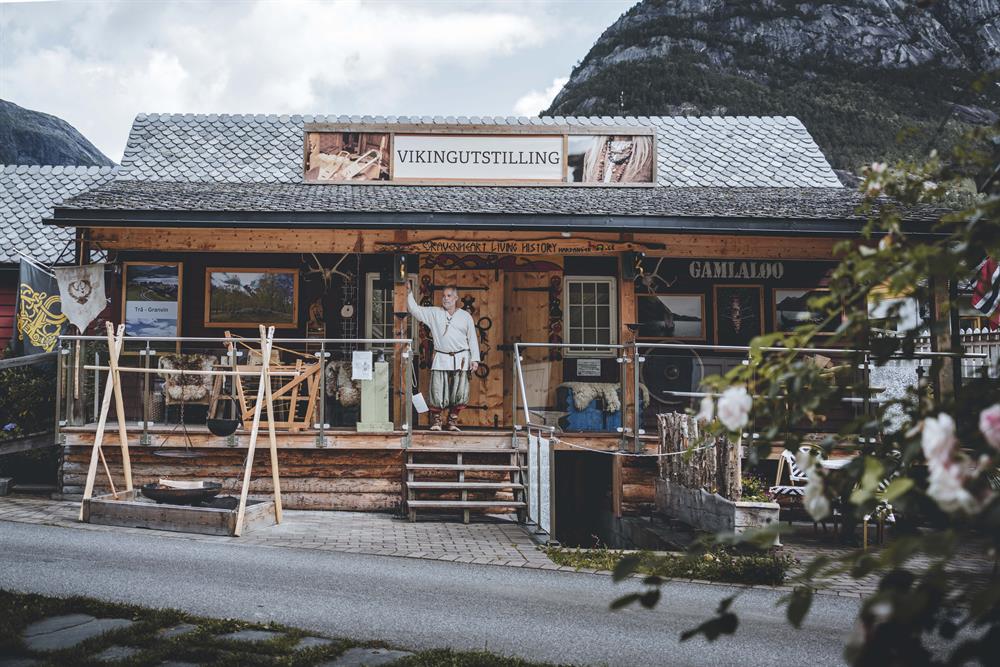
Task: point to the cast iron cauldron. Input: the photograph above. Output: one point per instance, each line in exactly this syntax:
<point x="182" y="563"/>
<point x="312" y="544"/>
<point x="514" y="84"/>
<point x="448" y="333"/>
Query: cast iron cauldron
<point x="171" y="496"/>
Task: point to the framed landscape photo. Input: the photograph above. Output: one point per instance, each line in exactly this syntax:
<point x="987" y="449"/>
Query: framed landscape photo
<point x="739" y="313"/>
<point x="248" y="297"/>
<point x="791" y="308"/>
<point x="673" y="316"/>
<point x="151" y="298"/>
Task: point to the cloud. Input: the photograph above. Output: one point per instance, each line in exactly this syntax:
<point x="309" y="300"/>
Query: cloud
<point x="534" y="102"/>
<point x="97" y="65"/>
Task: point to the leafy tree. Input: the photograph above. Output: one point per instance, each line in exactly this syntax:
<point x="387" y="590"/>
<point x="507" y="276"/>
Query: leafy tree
<point x="933" y="453"/>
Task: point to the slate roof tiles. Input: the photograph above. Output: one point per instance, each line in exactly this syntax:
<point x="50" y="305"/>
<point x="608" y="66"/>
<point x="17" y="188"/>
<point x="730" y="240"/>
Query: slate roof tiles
<point x="28" y="194"/>
<point x="722" y="151"/>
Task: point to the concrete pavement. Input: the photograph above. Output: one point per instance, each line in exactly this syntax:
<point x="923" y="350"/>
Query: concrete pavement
<point x="416" y="603"/>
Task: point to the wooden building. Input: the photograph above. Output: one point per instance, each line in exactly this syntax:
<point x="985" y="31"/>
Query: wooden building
<point x="571" y="231"/>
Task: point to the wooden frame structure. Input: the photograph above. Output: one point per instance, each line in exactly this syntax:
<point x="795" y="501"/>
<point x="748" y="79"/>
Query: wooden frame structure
<point x="113" y="387"/>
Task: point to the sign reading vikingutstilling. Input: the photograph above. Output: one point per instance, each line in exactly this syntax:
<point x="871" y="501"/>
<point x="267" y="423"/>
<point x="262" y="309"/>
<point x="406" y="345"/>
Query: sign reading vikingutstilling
<point x="465" y="157"/>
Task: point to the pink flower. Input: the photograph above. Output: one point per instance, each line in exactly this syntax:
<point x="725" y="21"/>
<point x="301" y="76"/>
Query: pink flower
<point x="938" y="438"/>
<point x="989" y="424"/>
<point x="706" y="410"/>
<point x="947" y="487"/>
<point x="734" y="408"/>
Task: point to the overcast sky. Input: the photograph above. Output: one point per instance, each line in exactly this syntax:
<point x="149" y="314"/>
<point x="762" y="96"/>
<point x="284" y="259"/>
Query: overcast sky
<point x="97" y="64"/>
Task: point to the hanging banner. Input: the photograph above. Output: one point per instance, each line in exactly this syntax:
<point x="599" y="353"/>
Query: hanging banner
<point x="151" y="298"/>
<point x="81" y="291"/>
<point x="533" y="478"/>
<point x="38" y="313"/>
<point x="546" y="493"/>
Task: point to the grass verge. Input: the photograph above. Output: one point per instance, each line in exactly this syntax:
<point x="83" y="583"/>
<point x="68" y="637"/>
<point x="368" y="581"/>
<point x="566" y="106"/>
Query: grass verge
<point x="739" y="568"/>
<point x="201" y="646"/>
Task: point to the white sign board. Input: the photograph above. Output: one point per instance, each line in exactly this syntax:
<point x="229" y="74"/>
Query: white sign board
<point x="533" y="479"/>
<point x="588" y="368"/>
<point x="545" y="485"/>
<point x="473" y="157"/>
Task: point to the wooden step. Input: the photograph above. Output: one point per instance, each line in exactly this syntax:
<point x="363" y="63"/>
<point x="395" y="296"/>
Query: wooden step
<point x="464" y="485"/>
<point x="464" y="504"/>
<point x="461" y="466"/>
<point x="449" y="449"/>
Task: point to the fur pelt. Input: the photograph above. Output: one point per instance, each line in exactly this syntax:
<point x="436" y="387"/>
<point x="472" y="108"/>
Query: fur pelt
<point x="585" y="392"/>
<point x="186" y="387"/>
<point x="340" y="385"/>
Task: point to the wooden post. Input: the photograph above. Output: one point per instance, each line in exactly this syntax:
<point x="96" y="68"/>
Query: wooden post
<point x="275" y="479"/>
<point x="616" y="486"/>
<point x="119" y="404"/>
<point x="627" y="315"/>
<point x="114" y="347"/>
<point x="265" y="348"/>
<point x="941" y="340"/>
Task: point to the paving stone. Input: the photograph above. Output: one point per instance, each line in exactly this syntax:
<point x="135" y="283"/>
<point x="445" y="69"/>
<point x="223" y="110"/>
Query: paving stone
<point x="174" y="663"/>
<point x="366" y="657"/>
<point x="251" y="636"/>
<point x="54" y="623"/>
<point x="69" y="636"/>
<point x="117" y="653"/>
<point x="177" y="631"/>
<point x="18" y="662"/>
<point x="313" y="642"/>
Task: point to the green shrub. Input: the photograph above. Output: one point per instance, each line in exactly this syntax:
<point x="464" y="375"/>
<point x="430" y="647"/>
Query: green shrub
<point x="719" y="565"/>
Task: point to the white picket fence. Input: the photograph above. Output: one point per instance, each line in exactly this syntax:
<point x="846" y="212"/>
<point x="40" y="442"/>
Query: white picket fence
<point x="974" y="341"/>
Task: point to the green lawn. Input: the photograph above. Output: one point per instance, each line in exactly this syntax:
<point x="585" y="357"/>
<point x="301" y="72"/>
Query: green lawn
<point x="201" y="646"/>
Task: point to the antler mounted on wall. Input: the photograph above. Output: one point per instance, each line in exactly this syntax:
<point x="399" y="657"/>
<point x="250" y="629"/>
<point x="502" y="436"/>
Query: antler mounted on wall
<point x="327" y="273"/>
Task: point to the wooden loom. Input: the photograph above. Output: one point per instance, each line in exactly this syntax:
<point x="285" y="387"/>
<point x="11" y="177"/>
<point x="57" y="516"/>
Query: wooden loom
<point x="304" y="376"/>
<point x="113" y="387"/>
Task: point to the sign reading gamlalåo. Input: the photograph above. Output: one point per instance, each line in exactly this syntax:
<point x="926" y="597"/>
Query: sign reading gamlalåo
<point x="477" y="157"/>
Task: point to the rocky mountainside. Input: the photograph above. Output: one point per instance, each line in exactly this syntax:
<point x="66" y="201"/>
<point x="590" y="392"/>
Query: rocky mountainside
<point x="871" y="79"/>
<point x="33" y="137"/>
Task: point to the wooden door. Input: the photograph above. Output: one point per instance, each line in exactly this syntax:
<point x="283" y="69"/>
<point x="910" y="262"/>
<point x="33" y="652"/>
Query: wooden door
<point x="481" y="293"/>
<point x="529" y="316"/>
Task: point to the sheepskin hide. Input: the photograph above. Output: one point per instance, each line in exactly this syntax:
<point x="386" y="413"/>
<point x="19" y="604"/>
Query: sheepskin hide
<point x="186" y="387"/>
<point x="585" y="392"/>
<point x="340" y="384"/>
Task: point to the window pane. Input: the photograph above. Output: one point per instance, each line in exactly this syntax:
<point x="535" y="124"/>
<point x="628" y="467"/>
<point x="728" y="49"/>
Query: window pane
<point x="588" y="293"/>
<point x="575" y="316"/>
<point x="589" y="336"/>
<point x="574" y="292"/>
<point x="604" y="336"/>
<point x="603" y="317"/>
<point x="589" y="317"/>
<point x="603" y="293"/>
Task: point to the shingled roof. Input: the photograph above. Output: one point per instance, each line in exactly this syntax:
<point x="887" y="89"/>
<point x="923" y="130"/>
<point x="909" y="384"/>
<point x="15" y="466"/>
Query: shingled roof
<point x="28" y="194"/>
<point x="707" y="151"/>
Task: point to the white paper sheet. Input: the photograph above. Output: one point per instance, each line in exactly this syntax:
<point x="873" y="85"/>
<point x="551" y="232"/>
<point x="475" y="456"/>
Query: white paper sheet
<point x="361" y="365"/>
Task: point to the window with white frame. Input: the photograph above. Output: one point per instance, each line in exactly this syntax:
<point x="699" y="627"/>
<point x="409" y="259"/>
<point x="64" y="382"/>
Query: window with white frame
<point x="379" y="311"/>
<point x="590" y="315"/>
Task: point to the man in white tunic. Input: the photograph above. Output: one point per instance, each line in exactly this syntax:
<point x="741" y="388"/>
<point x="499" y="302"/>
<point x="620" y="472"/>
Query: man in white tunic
<point x="456" y="354"/>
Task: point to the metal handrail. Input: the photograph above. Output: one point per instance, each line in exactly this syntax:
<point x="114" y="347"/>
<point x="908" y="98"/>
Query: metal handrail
<point x="204" y="339"/>
<point x="810" y="350"/>
<point x="406" y="344"/>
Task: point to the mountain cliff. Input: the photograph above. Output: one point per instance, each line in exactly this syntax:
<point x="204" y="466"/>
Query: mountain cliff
<point x="32" y="137"/>
<point x="871" y="79"/>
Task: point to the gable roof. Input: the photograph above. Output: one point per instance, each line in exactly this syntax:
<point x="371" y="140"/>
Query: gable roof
<point x="28" y="194"/>
<point x="706" y="151"/>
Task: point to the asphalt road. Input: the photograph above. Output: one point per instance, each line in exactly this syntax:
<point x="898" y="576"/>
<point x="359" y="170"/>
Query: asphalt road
<point x="411" y="603"/>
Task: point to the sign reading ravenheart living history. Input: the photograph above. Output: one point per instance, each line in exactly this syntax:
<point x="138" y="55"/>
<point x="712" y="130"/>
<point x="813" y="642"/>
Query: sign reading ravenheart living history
<point x="460" y="156"/>
<point x="513" y="247"/>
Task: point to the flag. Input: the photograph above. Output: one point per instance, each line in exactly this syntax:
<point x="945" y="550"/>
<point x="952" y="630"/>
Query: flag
<point x="81" y="293"/>
<point x="986" y="293"/>
<point x="38" y="313"/>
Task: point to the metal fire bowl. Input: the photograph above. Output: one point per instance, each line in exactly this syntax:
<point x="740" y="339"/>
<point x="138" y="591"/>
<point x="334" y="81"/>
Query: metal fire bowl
<point x="171" y="496"/>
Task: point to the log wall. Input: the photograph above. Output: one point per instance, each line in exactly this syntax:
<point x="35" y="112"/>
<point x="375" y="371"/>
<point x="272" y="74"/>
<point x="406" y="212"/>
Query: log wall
<point x="367" y="480"/>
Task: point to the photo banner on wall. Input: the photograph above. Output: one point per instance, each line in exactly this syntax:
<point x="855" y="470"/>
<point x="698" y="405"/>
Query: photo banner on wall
<point x="38" y="312"/>
<point x="152" y="299"/>
<point x="465" y="157"/>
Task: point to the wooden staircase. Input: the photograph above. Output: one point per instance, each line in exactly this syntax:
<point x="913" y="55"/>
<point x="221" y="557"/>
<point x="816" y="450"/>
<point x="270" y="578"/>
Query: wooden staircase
<point x="465" y="478"/>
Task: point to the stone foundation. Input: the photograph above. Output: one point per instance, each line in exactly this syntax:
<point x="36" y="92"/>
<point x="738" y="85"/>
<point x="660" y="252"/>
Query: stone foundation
<point x="710" y="511"/>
